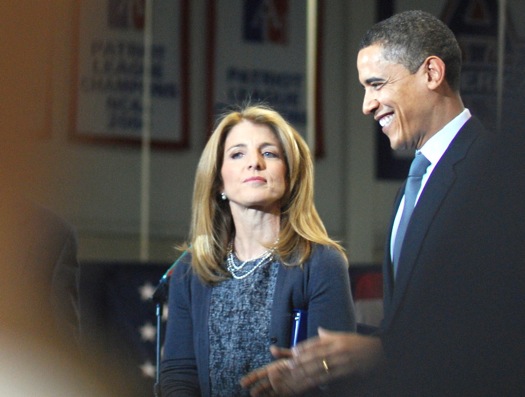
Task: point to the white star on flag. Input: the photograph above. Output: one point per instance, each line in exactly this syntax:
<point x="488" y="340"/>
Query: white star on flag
<point x="148" y="369"/>
<point x="146" y="291"/>
<point x="164" y="312"/>
<point x="148" y="332"/>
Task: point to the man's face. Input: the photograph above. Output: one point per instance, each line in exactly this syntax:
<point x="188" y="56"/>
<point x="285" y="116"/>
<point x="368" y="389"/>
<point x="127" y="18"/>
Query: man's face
<point x="397" y="99"/>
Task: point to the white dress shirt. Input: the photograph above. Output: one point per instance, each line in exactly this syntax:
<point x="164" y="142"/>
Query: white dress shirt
<point x="433" y="149"/>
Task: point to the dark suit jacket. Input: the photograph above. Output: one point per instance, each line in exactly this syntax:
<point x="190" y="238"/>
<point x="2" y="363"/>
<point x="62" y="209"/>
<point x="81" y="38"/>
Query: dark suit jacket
<point x="38" y="273"/>
<point x="454" y="324"/>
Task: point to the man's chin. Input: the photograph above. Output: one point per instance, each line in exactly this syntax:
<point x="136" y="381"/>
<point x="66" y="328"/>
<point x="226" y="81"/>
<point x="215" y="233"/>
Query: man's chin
<point x="396" y="145"/>
<point x="394" y="142"/>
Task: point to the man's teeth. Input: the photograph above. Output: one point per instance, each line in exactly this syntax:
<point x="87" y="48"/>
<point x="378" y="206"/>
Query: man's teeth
<point x="384" y="121"/>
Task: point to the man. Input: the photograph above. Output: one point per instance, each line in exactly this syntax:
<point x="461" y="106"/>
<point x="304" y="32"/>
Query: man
<point x="40" y="271"/>
<point x="453" y="325"/>
<point x="39" y="306"/>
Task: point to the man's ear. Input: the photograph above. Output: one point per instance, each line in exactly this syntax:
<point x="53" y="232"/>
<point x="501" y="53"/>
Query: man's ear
<point x="434" y="69"/>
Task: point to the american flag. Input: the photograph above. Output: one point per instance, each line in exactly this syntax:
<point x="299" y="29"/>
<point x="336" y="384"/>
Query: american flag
<point x="119" y="323"/>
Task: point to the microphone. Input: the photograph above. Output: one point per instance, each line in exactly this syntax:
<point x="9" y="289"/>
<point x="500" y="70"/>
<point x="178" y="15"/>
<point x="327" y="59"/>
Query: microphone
<point x="161" y="292"/>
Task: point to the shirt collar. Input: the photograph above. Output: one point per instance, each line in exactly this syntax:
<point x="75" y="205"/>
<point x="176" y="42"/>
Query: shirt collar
<point x="436" y="146"/>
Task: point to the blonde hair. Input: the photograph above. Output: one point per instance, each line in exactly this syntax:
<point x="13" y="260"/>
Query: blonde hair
<point x="211" y="221"/>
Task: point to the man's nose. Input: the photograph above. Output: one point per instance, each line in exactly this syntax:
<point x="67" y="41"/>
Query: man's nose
<point x="370" y="103"/>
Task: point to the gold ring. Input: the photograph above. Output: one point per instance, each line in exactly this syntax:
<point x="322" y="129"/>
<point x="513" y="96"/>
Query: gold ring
<point x="325" y="366"/>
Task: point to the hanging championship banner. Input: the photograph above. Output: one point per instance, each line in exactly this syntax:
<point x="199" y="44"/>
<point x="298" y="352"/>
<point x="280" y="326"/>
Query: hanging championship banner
<point x="258" y="53"/>
<point x="108" y="89"/>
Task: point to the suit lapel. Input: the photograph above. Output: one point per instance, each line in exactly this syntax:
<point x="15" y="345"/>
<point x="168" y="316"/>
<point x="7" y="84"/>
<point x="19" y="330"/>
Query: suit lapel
<point x="436" y="189"/>
<point x="388" y="273"/>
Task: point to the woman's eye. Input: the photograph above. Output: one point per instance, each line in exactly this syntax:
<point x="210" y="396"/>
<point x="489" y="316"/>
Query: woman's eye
<point x="270" y="155"/>
<point x="236" y="155"/>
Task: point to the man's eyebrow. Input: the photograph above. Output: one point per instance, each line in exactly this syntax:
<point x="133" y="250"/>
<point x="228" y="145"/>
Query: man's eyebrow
<point x="374" y="80"/>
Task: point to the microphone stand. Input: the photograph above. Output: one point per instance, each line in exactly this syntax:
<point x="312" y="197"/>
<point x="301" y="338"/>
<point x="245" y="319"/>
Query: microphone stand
<point x="159" y="298"/>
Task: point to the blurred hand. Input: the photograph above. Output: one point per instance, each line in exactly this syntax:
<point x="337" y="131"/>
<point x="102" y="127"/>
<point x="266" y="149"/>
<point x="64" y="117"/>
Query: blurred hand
<point x="315" y="362"/>
<point x="272" y="379"/>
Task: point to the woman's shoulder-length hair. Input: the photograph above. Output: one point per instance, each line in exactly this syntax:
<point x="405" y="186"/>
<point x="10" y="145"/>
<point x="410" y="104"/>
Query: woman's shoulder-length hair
<point x="211" y="222"/>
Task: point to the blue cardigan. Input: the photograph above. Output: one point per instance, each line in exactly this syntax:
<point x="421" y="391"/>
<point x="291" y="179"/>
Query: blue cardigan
<point x="322" y="287"/>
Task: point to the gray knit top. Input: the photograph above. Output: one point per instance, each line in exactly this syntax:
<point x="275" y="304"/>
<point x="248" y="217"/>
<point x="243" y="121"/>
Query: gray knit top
<point x="239" y="323"/>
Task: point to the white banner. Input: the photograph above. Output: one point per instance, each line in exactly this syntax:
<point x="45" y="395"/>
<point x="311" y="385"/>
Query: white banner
<point x="259" y="54"/>
<point x="109" y="72"/>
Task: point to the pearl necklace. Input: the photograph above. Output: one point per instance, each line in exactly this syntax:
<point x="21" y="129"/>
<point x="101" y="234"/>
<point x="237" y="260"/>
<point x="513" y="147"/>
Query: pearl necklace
<point x="237" y="270"/>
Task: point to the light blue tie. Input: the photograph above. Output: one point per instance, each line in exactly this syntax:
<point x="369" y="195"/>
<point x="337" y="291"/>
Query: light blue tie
<point x="415" y="174"/>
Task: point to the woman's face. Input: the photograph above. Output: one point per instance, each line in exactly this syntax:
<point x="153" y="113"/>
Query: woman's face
<point x="254" y="168"/>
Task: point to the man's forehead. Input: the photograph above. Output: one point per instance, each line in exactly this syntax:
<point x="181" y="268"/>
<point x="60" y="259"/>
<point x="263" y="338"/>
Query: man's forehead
<point x="369" y="60"/>
<point x="370" y="57"/>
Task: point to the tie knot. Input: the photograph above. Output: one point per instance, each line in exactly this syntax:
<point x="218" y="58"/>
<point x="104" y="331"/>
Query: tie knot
<point x="419" y="166"/>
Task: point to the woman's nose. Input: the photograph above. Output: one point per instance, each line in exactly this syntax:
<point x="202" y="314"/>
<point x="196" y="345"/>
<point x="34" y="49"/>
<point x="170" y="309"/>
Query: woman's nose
<point x="255" y="161"/>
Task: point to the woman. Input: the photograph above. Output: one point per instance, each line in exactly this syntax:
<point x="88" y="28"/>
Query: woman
<point x="257" y="251"/>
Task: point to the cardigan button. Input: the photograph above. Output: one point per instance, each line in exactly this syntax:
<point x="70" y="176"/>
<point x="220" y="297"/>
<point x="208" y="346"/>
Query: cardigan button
<point x="273" y="340"/>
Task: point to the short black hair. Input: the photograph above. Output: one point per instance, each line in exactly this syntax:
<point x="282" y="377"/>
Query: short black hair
<point x="409" y="37"/>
